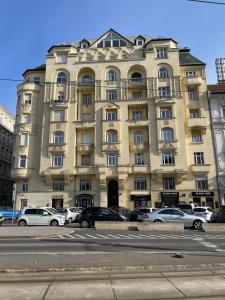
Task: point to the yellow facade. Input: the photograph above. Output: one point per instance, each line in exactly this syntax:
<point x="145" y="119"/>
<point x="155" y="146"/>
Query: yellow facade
<point x="115" y="121"/>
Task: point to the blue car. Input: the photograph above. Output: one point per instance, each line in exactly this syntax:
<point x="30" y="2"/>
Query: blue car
<point x="8" y="213"/>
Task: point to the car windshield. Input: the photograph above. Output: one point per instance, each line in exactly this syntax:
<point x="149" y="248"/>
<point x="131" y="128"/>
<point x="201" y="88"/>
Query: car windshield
<point x="52" y="210"/>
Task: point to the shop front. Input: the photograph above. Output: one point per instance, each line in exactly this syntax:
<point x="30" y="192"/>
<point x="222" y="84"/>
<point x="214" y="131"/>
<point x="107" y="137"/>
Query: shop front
<point x="205" y="199"/>
<point x="84" y="200"/>
<point x="141" y="200"/>
<point x="169" y="199"/>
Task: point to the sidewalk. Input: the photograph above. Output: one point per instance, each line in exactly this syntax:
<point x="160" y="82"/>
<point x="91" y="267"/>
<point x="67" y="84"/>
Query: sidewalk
<point x="176" y="285"/>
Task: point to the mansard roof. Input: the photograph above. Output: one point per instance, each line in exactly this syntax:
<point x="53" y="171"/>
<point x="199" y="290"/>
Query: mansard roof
<point x="39" y="68"/>
<point x="187" y="59"/>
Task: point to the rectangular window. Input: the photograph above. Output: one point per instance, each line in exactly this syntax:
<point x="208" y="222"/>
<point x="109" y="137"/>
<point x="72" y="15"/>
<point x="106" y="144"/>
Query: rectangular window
<point x="137" y="95"/>
<point x="138" y="137"/>
<point x="201" y="183"/>
<point x="86" y="138"/>
<point x="87" y="99"/>
<point x="58" y="185"/>
<point x="36" y="79"/>
<point x="168" y="158"/>
<point x="112" y="159"/>
<point x="27" y="98"/>
<point x="85" y="184"/>
<point x="190" y="73"/>
<point x="25" y="118"/>
<point x="164" y="92"/>
<point x="137" y="115"/>
<point x="168" y="183"/>
<point x="194" y="113"/>
<point x="166" y="112"/>
<point x="58" y="115"/>
<point x="139" y="159"/>
<point x="86" y="160"/>
<point x="196" y="138"/>
<point x="23" y="160"/>
<point x="57" y="160"/>
<point x="111" y="115"/>
<point x="111" y="95"/>
<point x="193" y="94"/>
<point x="23" y="139"/>
<point x="24" y="186"/>
<point x="140" y="184"/>
<point x="199" y="158"/>
<point x="162" y="53"/>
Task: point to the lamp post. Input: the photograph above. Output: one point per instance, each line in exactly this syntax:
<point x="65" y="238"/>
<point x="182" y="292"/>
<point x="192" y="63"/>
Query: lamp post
<point x="14" y="200"/>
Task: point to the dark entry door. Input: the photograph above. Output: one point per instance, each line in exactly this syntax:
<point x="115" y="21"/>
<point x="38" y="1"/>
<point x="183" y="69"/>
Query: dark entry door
<point x="113" y="196"/>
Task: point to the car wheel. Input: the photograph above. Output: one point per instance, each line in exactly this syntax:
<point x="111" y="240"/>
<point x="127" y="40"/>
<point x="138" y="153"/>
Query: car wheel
<point x="70" y="220"/>
<point x="197" y="224"/>
<point x="54" y="223"/>
<point x="157" y="221"/>
<point x="22" y="223"/>
<point x="85" y="224"/>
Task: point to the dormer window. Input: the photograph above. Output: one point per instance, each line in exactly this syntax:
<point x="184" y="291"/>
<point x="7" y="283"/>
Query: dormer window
<point x="84" y="45"/>
<point x="112" y="40"/>
<point x="139" y="42"/>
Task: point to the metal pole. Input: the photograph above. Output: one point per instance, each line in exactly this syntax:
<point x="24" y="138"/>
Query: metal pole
<point x="14" y="200"/>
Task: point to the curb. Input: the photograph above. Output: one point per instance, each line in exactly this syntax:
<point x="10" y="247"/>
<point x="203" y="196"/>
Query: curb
<point x="99" y="270"/>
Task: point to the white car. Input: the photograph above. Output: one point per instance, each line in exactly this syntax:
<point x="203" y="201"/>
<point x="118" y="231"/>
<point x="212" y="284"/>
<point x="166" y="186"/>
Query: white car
<point x="71" y="213"/>
<point x="143" y="213"/>
<point x="40" y="216"/>
<point x="204" y="211"/>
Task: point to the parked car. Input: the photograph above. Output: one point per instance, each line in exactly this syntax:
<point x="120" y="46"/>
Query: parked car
<point x="71" y="213"/>
<point x="205" y="212"/>
<point x="187" y="207"/>
<point x="219" y="216"/>
<point x="121" y="211"/>
<point x="133" y="215"/>
<point x="143" y="213"/>
<point x="40" y="216"/>
<point x="1" y="219"/>
<point x="89" y="215"/>
<point x="176" y="215"/>
<point x="8" y="213"/>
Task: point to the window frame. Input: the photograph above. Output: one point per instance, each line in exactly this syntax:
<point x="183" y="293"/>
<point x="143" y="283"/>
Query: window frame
<point x="168" y="157"/>
<point x="169" y="183"/>
<point x="140" y="184"/>
<point x="199" y="158"/>
<point x="112" y="159"/>
<point x="85" y="184"/>
<point x="57" y="160"/>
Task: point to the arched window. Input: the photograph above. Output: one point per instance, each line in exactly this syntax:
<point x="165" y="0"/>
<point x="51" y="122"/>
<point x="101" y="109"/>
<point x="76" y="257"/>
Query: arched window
<point x="111" y="75"/>
<point x="111" y="136"/>
<point x="136" y="77"/>
<point x="163" y="72"/>
<point x="138" y="137"/>
<point x="86" y="78"/>
<point x="61" y="96"/>
<point x="167" y="134"/>
<point x="61" y="78"/>
<point x="58" y="137"/>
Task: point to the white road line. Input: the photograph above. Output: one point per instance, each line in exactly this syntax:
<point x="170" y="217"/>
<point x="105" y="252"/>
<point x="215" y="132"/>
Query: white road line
<point x="135" y="236"/>
<point x="79" y="236"/>
<point x="145" y="236"/>
<point x="91" y="236"/>
<point x="61" y="237"/>
<point x="69" y="236"/>
<point x="124" y="236"/>
<point x="114" y="236"/>
<point x="102" y="236"/>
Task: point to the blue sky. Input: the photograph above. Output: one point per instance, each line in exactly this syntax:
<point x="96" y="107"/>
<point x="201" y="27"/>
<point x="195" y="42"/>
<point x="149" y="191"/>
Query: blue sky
<point x="29" y="28"/>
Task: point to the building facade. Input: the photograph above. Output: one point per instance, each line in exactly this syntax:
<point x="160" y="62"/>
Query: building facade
<point x="220" y="70"/>
<point x="217" y="105"/>
<point x="7" y="122"/>
<point x="115" y="121"/>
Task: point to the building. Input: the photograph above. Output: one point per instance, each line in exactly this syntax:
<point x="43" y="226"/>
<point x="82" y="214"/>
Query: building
<point x="7" y="122"/>
<point x="118" y="120"/>
<point x="220" y="70"/>
<point x="217" y="105"/>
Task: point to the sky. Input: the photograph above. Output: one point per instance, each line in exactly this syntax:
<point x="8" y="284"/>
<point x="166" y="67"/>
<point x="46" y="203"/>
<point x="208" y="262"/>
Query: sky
<point x="29" y="28"/>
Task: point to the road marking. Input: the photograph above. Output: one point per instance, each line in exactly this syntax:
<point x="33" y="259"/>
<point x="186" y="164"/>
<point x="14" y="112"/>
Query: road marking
<point x="61" y="236"/>
<point x="91" y="236"/>
<point x="70" y="236"/>
<point x="114" y="236"/>
<point x="135" y="236"/>
<point x="124" y="236"/>
<point x="79" y="236"/>
<point x="102" y="236"/>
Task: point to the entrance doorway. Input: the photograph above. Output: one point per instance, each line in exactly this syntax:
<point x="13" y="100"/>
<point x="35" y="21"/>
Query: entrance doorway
<point x="113" y="195"/>
<point x="57" y="203"/>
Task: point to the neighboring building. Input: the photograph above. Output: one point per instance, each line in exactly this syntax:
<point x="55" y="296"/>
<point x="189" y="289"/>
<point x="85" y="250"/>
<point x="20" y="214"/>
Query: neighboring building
<point x="217" y="103"/>
<point x="220" y="70"/>
<point x="115" y="121"/>
<point x="7" y="122"/>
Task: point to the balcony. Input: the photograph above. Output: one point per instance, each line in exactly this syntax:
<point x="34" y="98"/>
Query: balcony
<point x="137" y="82"/>
<point x="114" y="146"/>
<point x="86" y="84"/>
<point x="164" y="99"/>
<point x="138" y="122"/>
<point x="85" y="148"/>
<point x="200" y="169"/>
<point x="85" y="123"/>
<point x="58" y="103"/>
<point x="195" y="80"/>
<point x="28" y="86"/>
<point x="139" y="147"/>
<point x="197" y="122"/>
<point x="21" y="173"/>
<point x="144" y="169"/>
<point x="56" y="147"/>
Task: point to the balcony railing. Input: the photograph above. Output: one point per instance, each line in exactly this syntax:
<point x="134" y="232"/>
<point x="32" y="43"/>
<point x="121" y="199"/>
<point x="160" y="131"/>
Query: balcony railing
<point x="137" y="81"/>
<point x="86" y="83"/>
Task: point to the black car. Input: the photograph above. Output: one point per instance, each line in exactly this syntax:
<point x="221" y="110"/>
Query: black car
<point x="89" y="215"/>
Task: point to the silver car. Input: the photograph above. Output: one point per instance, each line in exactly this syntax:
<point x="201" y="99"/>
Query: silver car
<point x="176" y="215"/>
<point x="40" y="216"/>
